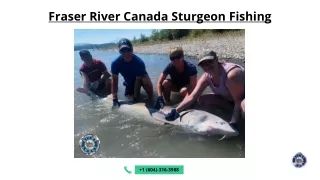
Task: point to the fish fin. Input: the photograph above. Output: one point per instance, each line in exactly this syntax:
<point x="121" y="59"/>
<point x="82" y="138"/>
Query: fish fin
<point x="184" y="113"/>
<point x="225" y="136"/>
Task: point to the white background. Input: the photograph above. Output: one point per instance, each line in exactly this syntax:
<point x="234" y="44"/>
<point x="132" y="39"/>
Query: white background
<point x="37" y="92"/>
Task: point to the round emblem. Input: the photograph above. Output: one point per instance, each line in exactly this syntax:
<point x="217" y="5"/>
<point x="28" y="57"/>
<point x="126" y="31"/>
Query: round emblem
<point x="299" y="160"/>
<point x="89" y="144"/>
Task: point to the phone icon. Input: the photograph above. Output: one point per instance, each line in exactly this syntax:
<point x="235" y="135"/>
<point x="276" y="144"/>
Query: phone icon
<point x="126" y="169"/>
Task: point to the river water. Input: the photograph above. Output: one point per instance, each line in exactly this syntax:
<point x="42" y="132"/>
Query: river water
<point x="124" y="136"/>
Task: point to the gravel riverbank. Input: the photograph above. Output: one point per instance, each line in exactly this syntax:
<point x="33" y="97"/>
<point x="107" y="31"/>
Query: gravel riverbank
<point x="228" y="47"/>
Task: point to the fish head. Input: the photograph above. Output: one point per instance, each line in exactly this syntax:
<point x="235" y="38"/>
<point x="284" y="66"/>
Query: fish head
<point x="206" y="123"/>
<point x="218" y="128"/>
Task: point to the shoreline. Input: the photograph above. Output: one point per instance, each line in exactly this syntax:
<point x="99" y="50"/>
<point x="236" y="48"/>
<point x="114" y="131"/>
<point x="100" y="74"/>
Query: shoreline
<point x="229" y="47"/>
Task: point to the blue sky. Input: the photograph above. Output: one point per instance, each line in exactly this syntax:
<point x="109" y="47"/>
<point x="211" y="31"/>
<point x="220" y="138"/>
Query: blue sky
<point x="99" y="36"/>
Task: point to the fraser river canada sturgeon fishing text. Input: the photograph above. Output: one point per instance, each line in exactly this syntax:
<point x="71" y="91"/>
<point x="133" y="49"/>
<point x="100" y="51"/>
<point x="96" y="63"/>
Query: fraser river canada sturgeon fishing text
<point x="176" y="16"/>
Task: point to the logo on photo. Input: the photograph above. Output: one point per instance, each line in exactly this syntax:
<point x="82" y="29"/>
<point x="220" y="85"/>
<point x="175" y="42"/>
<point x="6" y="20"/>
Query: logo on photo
<point x="89" y="144"/>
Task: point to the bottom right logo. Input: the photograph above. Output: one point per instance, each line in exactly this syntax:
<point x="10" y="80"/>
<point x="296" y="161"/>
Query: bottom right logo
<point x="299" y="160"/>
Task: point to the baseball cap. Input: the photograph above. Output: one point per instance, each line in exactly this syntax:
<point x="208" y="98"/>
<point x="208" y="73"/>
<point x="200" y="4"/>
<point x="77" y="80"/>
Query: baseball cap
<point x="85" y="54"/>
<point x="207" y="55"/>
<point x="124" y="43"/>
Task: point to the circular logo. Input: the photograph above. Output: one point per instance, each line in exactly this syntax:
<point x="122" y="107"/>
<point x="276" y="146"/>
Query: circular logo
<point x="299" y="160"/>
<point x="89" y="144"/>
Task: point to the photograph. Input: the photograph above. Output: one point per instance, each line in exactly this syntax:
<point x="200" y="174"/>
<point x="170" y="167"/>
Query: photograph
<point x="159" y="93"/>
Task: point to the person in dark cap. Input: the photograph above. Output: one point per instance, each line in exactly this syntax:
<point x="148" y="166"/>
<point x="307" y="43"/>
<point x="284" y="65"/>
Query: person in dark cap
<point x="133" y="70"/>
<point x="183" y="78"/>
<point x="227" y="82"/>
<point x="95" y="75"/>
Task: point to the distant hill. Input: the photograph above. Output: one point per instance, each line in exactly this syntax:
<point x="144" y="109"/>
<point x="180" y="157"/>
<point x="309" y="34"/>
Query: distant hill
<point x="82" y="46"/>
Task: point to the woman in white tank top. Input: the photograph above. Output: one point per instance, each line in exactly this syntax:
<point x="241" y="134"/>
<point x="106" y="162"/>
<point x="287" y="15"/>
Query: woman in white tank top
<point x="227" y="82"/>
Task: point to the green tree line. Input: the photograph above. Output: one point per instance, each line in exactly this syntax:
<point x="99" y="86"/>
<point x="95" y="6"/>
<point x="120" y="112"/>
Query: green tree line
<point x="176" y="34"/>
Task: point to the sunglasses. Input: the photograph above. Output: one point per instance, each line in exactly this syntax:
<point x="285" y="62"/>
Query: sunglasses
<point x="86" y="58"/>
<point x="124" y="50"/>
<point x="173" y="58"/>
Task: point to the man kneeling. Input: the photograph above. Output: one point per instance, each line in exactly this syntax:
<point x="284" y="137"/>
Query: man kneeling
<point x="183" y="78"/>
<point x="133" y="71"/>
<point x="95" y="75"/>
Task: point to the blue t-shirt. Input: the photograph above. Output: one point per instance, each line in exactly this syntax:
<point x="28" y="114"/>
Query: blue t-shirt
<point x="181" y="79"/>
<point x="129" y="70"/>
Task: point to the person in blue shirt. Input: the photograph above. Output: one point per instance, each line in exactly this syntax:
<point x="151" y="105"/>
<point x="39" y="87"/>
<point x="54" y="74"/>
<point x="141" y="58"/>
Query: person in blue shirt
<point x="183" y="78"/>
<point x="133" y="70"/>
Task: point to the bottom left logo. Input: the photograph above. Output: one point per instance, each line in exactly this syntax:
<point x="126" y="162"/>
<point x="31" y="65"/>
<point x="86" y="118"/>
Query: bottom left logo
<point x="89" y="144"/>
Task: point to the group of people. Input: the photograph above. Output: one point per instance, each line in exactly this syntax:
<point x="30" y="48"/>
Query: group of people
<point x="226" y="80"/>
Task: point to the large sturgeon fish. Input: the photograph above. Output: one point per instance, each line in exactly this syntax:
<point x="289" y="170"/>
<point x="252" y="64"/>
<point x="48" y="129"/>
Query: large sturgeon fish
<point x="198" y="121"/>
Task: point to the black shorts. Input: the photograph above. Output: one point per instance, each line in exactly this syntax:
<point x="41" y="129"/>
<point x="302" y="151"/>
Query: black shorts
<point x="101" y="91"/>
<point x="101" y="86"/>
<point x="177" y="86"/>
